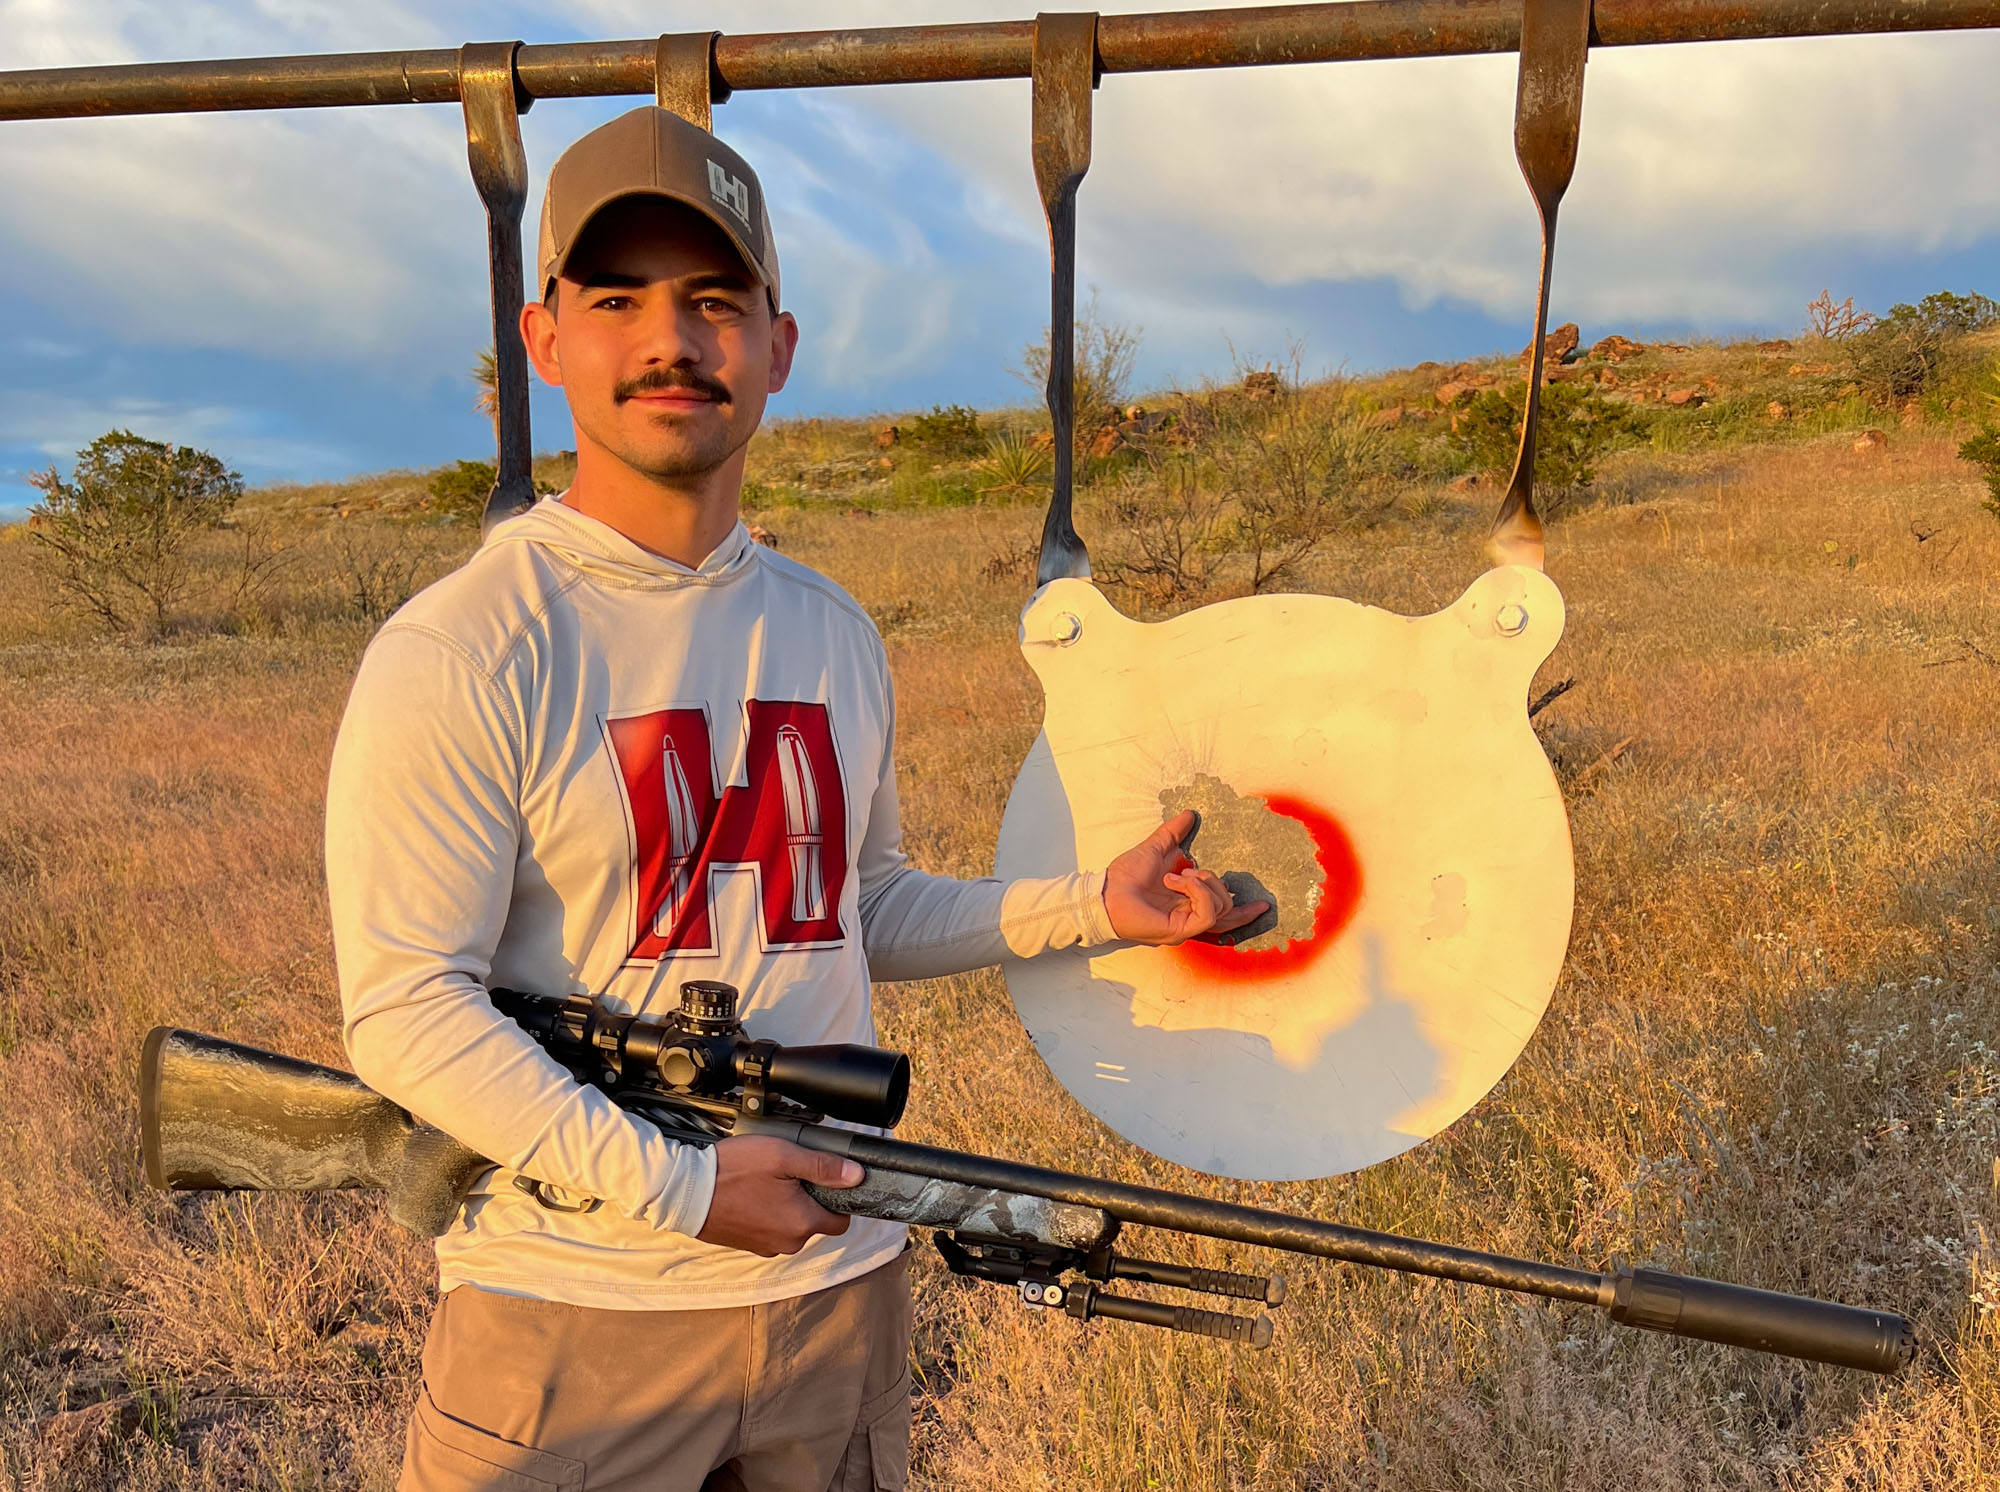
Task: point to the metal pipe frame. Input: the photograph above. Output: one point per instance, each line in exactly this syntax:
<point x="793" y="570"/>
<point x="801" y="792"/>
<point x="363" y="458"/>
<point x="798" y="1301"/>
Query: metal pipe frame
<point x="1159" y="42"/>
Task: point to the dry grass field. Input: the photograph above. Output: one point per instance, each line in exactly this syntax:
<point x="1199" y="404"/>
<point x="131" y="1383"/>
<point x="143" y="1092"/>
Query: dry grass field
<point x="1774" y="1056"/>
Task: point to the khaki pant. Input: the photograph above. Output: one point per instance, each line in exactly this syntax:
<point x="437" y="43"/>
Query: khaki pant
<point x="800" y="1395"/>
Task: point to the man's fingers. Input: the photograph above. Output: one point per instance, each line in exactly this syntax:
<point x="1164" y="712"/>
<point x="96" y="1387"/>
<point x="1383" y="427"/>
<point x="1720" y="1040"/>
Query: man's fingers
<point x="1204" y="900"/>
<point x="822" y="1169"/>
<point x="1241" y="916"/>
<point x="1166" y="839"/>
<point x="1235" y="918"/>
<point x="1203" y="889"/>
<point x="832" y="1224"/>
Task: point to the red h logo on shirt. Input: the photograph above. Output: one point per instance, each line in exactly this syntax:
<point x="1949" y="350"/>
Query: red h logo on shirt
<point x="786" y="824"/>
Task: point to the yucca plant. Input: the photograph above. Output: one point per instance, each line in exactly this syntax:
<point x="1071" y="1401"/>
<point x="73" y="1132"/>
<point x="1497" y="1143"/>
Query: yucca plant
<point x="1016" y="463"/>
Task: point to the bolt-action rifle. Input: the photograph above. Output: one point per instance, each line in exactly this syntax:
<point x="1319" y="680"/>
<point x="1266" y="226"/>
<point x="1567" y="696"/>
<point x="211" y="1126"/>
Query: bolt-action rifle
<point x="219" y="1116"/>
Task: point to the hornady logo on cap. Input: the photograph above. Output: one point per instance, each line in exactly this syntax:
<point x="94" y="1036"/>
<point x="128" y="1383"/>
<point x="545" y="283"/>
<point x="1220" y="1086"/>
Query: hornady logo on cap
<point x="731" y="193"/>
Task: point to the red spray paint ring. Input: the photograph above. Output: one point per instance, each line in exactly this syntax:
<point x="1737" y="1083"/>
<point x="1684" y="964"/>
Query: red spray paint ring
<point x="1339" y="895"/>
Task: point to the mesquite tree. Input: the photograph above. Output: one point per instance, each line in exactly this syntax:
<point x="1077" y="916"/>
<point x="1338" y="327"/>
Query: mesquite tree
<point x="117" y="531"/>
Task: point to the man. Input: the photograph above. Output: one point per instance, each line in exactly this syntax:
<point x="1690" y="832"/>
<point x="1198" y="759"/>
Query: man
<point x="622" y="747"/>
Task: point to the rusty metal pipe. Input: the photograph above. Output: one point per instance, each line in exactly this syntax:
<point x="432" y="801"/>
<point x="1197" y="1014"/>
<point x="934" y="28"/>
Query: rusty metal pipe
<point x="1262" y="36"/>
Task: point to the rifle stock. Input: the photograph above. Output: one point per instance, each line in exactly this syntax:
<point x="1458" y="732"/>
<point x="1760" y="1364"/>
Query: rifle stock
<point x="217" y="1116"/>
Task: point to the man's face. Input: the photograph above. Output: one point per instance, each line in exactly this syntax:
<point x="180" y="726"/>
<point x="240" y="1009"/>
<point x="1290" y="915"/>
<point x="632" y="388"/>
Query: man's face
<point x="662" y="340"/>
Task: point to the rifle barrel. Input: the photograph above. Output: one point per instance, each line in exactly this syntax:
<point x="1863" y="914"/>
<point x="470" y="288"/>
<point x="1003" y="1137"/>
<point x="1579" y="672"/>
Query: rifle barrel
<point x="1736" y="1315"/>
<point x="1150" y="1207"/>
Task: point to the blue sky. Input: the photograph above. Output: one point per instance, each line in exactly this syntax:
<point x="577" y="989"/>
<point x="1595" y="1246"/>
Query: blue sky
<point x="302" y="293"/>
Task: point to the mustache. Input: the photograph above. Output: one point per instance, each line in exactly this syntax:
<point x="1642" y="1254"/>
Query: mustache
<point x="661" y="380"/>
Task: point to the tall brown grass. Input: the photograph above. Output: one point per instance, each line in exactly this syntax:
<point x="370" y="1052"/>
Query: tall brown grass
<point x="1774" y="1056"/>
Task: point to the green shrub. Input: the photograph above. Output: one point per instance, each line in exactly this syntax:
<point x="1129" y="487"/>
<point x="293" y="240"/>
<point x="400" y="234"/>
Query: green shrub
<point x="117" y="531"/>
<point x="1950" y="315"/>
<point x="1983" y="450"/>
<point x="947" y="430"/>
<point x="1904" y="354"/>
<point x="460" y="490"/>
<point x="1577" y="429"/>
<point x="1304" y="473"/>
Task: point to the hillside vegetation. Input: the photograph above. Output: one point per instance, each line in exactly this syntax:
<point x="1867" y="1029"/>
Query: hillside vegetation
<point x="1772" y="1057"/>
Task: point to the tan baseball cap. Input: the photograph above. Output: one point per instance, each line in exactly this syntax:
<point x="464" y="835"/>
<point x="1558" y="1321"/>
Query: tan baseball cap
<point x="654" y="152"/>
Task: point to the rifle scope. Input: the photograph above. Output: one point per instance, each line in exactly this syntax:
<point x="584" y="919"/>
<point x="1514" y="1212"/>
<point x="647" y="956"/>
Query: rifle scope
<point x="701" y="1050"/>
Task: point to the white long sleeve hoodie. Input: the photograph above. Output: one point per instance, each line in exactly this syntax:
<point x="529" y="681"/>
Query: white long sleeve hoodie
<point x="575" y="765"/>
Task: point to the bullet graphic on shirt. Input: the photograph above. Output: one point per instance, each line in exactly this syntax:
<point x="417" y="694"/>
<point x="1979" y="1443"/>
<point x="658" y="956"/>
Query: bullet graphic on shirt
<point x="683" y="840"/>
<point x="803" y="837"/>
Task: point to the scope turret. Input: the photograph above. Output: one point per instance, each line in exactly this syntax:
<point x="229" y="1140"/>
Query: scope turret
<point x="708" y="1005"/>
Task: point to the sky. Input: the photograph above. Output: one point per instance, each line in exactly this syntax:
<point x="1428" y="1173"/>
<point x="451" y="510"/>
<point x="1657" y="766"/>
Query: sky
<point x="303" y="292"/>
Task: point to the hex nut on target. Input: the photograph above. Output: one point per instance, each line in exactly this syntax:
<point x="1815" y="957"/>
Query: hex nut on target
<point x="1511" y="620"/>
<point x="1068" y="627"/>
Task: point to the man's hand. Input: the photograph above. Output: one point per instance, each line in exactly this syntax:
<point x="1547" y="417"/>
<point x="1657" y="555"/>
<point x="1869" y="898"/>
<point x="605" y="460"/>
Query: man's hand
<point x="1154" y="893"/>
<point x="760" y="1207"/>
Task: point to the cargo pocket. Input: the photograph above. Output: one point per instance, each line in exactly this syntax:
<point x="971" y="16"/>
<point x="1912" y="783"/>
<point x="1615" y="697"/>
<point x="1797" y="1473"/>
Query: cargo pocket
<point x="878" y="1457"/>
<point x="448" y="1455"/>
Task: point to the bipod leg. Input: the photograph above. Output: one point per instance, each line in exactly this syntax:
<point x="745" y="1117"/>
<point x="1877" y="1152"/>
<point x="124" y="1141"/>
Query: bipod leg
<point x="684" y="77"/>
<point x="1065" y="70"/>
<point x="1548" y="117"/>
<point x="493" y="107"/>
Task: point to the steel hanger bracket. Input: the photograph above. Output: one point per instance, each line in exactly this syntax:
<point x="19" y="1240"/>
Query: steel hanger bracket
<point x="1548" y="117"/>
<point x="1065" y="70"/>
<point x="494" y="104"/>
<point x="685" y="79"/>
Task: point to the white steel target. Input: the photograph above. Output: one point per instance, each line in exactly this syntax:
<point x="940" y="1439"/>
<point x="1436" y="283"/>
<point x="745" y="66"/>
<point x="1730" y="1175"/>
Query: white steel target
<point x="1440" y="866"/>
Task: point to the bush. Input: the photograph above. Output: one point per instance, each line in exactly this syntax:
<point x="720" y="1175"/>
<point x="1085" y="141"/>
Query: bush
<point x="1105" y="353"/>
<point x="948" y="430"/>
<point x="380" y="567"/>
<point x="1299" y="477"/>
<point x="1577" y="429"/>
<point x="1983" y="450"/>
<point x="1947" y="315"/>
<point x="1174" y="523"/>
<point x="1245" y="490"/>
<point x="118" y="530"/>
<point x="1904" y="354"/>
<point x="460" y="490"/>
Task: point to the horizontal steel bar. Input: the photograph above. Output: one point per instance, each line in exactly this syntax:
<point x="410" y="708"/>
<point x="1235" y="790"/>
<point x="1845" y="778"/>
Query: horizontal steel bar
<point x="1166" y="41"/>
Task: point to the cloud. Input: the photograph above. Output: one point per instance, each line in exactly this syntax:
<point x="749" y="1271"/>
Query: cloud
<point x="1706" y="173"/>
<point x="1718" y="186"/>
<point x="54" y="426"/>
<point x="309" y="237"/>
<point x="1714" y="181"/>
<point x="343" y="234"/>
